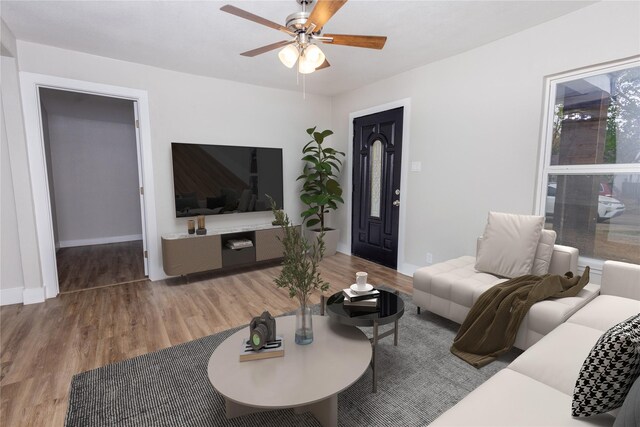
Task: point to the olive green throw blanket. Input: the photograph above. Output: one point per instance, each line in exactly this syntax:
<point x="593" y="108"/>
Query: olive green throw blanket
<point x="491" y="326"/>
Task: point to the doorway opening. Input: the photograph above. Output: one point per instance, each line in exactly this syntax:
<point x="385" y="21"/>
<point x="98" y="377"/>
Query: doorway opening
<point x="376" y="199"/>
<point x="93" y="162"/>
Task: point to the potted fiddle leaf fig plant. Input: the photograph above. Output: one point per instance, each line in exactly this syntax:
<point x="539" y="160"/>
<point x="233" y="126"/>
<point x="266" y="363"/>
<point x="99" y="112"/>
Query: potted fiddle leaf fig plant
<point x="300" y="274"/>
<point x="321" y="191"/>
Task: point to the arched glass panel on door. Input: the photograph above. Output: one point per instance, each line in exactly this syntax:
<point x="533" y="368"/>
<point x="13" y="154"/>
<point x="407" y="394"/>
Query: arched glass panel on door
<point x="376" y="178"/>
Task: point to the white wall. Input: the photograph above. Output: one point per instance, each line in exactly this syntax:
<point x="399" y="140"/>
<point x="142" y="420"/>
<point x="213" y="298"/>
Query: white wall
<point x="188" y="108"/>
<point x="475" y="124"/>
<point x="93" y="166"/>
<point x="25" y="242"/>
<point x="10" y="259"/>
<point x="8" y="41"/>
<point x="11" y="278"/>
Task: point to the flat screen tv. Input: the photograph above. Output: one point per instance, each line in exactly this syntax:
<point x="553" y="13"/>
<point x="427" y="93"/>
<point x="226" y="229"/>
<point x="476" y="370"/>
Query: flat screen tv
<point x="223" y="179"/>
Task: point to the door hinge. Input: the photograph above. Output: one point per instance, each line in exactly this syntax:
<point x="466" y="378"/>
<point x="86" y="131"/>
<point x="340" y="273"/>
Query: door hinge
<point x="142" y="191"/>
<point x="138" y="124"/>
<point x="146" y="254"/>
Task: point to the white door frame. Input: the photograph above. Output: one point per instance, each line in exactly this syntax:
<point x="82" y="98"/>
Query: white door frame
<point x="404" y="174"/>
<point x="145" y="260"/>
<point x="29" y="85"/>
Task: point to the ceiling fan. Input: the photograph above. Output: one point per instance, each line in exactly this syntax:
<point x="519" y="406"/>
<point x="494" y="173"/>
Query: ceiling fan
<point x="305" y="29"/>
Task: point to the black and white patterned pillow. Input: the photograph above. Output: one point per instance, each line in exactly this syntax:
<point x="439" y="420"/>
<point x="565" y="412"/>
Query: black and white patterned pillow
<point x="609" y="370"/>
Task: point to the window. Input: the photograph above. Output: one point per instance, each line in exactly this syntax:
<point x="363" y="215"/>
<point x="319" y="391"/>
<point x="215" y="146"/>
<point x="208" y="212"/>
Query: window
<point x="590" y="168"/>
<point x="376" y="178"/>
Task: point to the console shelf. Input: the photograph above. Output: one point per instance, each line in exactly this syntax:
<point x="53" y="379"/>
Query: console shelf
<point x="183" y="254"/>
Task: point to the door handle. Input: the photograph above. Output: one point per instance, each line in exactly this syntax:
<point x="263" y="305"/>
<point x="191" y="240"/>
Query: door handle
<point x="396" y="203"/>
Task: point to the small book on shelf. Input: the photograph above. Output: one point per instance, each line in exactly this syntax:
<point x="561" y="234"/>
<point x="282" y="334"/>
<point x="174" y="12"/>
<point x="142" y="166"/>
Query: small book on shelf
<point x="271" y="349"/>
<point x="353" y="296"/>
<point x="239" y="243"/>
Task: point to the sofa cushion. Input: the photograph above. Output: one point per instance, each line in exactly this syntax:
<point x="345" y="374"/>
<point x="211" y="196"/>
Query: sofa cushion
<point x="609" y="370"/>
<point x="545" y="362"/>
<point x="544" y="251"/>
<point x="451" y="286"/>
<point x="460" y="267"/>
<point x="546" y="315"/>
<point x="564" y="258"/>
<point x="509" y="244"/>
<point x="510" y="398"/>
<point x="621" y="279"/>
<point x="605" y="311"/>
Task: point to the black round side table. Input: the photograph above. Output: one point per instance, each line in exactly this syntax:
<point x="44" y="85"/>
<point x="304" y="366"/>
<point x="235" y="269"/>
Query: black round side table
<point x="390" y="309"/>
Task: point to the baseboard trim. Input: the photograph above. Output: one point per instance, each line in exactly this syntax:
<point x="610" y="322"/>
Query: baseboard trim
<point x="408" y="269"/>
<point x="344" y="249"/>
<point x="11" y="296"/>
<point x="98" y="241"/>
<point x="33" y="295"/>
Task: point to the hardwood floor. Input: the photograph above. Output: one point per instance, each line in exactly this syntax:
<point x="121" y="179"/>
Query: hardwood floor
<point x="93" y="266"/>
<point x="43" y="345"/>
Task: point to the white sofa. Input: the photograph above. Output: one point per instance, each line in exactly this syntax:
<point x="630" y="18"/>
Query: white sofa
<point x="536" y="388"/>
<point x="450" y="288"/>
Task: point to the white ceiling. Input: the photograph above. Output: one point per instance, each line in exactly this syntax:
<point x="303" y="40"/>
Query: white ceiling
<point x="196" y="37"/>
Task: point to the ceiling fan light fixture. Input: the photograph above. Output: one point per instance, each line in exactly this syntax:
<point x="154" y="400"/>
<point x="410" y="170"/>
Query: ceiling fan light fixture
<point x="314" y="55"/>
<point x="288" y="56"/>
<point x="304" y="65"/>
<point x="305" y="28"/>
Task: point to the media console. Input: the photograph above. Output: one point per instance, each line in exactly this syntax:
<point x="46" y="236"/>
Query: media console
<point x="183" y="253"/>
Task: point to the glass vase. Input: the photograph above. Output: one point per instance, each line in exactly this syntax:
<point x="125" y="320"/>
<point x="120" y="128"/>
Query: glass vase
<point x="304" y="326"/>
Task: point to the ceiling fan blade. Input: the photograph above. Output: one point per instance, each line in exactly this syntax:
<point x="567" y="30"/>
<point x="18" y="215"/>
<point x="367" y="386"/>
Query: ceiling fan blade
<point x="267" y="48"/>
<point x="255" y="18"/>
<point x="325" y="64"/>
<point x="371" y="42"/>
<point x="322" y="12"/>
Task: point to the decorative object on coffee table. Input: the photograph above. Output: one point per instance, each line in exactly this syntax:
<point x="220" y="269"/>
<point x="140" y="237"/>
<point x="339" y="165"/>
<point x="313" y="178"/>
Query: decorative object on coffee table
<point x="262" y="329"/>
<point x="271" y="349"/>
<point x="299" y="275"/>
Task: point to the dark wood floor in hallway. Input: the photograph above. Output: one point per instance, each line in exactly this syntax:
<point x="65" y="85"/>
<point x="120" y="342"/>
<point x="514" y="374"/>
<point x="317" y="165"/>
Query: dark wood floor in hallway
<point x="85" y="267"/>
<point x="43" y="345"/>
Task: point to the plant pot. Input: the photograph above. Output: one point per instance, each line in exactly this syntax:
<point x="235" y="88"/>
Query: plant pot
<point x="331" y="238"/>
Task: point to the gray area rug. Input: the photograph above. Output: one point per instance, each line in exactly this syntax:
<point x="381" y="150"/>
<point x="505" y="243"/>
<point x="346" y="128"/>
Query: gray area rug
<point x="417" y="381"/>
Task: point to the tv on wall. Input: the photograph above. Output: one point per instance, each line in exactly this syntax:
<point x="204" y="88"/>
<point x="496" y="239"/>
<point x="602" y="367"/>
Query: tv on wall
<point x="223" y="179"/>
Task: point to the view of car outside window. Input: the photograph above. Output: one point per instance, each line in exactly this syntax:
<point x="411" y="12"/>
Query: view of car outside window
<point x="593" y="171"/>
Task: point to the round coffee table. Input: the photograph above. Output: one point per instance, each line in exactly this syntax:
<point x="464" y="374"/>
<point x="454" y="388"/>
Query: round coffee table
<point x="307" y="378"/>
<point x="389" y="310"/>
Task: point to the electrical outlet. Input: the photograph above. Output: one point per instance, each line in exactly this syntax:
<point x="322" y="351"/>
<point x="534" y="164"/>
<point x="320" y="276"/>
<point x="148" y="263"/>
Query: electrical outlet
<point x="429" y="258"/>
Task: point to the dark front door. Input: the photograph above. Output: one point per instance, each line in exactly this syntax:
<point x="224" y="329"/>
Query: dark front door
<point x="377" y="156"/>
